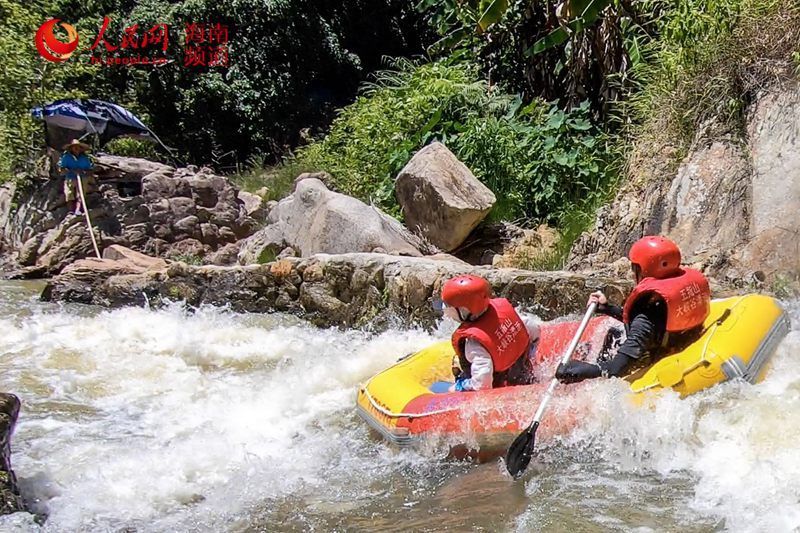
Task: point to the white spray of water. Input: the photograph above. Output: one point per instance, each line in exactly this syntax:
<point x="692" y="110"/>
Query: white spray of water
<point x="736" y="441"/>
<point x="165" y="420"/>
<point x="135" y="416"/>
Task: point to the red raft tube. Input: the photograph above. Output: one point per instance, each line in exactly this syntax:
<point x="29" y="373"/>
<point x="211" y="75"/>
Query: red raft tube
<point x="400" y="404"/>
<point x="738" y="340"/>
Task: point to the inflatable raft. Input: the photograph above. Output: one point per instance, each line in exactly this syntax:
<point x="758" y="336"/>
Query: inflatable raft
<point x="738" y="339"/>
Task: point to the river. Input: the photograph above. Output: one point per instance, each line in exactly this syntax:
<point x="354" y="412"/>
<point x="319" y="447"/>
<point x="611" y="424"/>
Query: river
<point x="169" y="420"/>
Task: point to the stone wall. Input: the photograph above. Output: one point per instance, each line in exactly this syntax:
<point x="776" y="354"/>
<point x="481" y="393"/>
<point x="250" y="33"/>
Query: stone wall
<point x="344" y="290"/>
<point x="147" y="206"/>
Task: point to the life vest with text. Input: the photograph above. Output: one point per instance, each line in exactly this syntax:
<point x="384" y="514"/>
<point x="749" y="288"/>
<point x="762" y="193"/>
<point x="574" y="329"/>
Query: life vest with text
<point x="687" y="297"/>
<point x="500" y="330"/>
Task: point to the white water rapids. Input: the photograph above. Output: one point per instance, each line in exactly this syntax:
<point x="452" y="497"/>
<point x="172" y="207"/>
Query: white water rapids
<point x="169" y="420"/>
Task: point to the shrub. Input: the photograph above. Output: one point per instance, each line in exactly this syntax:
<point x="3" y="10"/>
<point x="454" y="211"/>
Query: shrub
<point x="537" y="159"/>
<point x="708" y="61"/>
<point x="27" y="80"/>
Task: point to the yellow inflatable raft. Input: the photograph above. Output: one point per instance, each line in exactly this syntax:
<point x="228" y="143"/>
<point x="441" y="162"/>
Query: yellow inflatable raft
<point x="740" y="335"/>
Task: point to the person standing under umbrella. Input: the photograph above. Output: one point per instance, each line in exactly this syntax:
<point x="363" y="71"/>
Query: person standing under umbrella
<point x="73" y="165"/>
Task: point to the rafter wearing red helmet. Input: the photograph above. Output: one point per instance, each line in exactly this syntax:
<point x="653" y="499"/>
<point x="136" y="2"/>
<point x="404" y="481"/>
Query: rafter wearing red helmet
<point x="495" y="346"/>
<point x="666" y="309"/>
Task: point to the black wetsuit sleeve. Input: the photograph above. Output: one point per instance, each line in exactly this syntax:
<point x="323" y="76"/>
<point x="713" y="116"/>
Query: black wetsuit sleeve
<point x="643" y="335"/>
<point x="614" y="311"/>
<point x="576" y="371"/>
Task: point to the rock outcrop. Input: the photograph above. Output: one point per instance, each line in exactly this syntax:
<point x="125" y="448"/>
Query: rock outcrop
<point x="10" y="499"/>
<point x="254" y="206"/>
<point x="147" y="206"/>
<point x="315" y="219"/>
<point x="442" y="200"/>
<point x="348" y="289"/>
<point x="731" y="205"/>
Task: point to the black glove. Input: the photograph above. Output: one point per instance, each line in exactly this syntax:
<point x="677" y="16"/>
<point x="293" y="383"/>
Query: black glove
<point x="575" y="371"/>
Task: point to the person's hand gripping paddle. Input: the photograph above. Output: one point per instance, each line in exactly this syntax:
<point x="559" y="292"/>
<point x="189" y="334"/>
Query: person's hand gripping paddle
<point x="520" y="452"/>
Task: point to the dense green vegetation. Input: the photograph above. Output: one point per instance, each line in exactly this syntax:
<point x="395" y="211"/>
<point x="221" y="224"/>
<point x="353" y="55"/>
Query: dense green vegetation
<point x="548" y="104"/>
<point x="535" y="157"/>
<point x="662" y="70"/>
<point x="26" y="80"/>
<point x="710" y="64"/>
<point x="292" y="63"/>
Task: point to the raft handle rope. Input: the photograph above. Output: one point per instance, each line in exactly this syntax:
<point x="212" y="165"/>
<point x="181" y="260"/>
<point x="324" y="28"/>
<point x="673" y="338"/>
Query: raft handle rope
<point x="391" y="414"/>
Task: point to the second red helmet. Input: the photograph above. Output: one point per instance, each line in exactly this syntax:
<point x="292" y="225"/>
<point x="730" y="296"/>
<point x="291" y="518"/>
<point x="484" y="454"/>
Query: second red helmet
<point x="467" y="291"/>
<point x="657" y="257"/>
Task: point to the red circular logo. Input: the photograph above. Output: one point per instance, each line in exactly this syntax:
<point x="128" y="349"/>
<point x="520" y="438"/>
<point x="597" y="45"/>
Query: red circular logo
<point x="50" y="47"/>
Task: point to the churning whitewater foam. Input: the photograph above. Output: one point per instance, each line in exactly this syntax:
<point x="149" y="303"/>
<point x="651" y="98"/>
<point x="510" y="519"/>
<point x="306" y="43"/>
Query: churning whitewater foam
<point x="737" y="442"/>
<point x="162" y="419"/>
<point x="165" y="420"/>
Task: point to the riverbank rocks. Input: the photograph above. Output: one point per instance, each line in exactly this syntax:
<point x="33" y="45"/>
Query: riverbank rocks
<point x="731" y="203"/>
<point x="182" y="213"/>
<point x="442" y="200"/>
<point x="10" y="499"/>
<point x="355" y="289"/>
<point x="315" y="219"/>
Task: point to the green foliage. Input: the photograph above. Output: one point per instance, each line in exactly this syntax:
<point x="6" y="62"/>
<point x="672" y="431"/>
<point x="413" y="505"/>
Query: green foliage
<point x="784" y="287"/>
<point x="27" y="80"/>
<point x="710" y="59"/>
<point x="537" y="159"/>
<point x="189" y="259"/>
<point x="573" y="16"/>
<point x="128" y="147"/>
<point x="291" y="63"/>
<point x="567" y="50"/>
<point x="267" y="255"/>
<point x="277" y="180"/>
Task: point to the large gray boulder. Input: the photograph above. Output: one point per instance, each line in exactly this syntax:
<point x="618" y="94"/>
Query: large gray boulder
<point x="315" y="219"/>
<point x="694" y="216"/>
<point x="442" y="200"/>
<point x="115" y="166"/>
<point x="773" y="134"/>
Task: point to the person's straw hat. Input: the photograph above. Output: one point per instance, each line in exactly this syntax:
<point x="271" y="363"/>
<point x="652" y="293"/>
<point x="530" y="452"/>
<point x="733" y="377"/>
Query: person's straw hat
<point x="76" y="142"/>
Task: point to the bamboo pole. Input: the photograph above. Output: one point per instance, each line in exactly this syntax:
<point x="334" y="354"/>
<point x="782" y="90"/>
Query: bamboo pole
<point x="86" y="213"/>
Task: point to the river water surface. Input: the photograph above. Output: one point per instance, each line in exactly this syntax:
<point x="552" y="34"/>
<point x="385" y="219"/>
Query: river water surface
<point x="168" y="420"/>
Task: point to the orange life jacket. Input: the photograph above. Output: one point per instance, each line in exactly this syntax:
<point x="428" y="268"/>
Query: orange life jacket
<point x="687" y="297"/>
<point x="500" y="330"/>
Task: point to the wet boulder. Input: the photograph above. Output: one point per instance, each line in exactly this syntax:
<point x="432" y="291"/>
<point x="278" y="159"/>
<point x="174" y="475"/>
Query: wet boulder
<point x="442" y="200"/>
<point x="10" y="499"/>
<point x="315" y="219"/>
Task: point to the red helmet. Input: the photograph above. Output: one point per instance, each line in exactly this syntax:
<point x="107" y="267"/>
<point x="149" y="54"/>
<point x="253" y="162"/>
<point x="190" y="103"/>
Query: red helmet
<point x="656" y="257"/>
<point x="469" y="292"/>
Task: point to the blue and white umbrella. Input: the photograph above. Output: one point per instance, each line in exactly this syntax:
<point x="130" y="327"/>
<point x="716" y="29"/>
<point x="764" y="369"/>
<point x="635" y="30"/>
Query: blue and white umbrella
<point x="76" y="118"/>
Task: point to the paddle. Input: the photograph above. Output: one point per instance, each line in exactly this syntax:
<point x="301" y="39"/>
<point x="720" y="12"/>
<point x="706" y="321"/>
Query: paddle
<point x="520" y="452"/>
